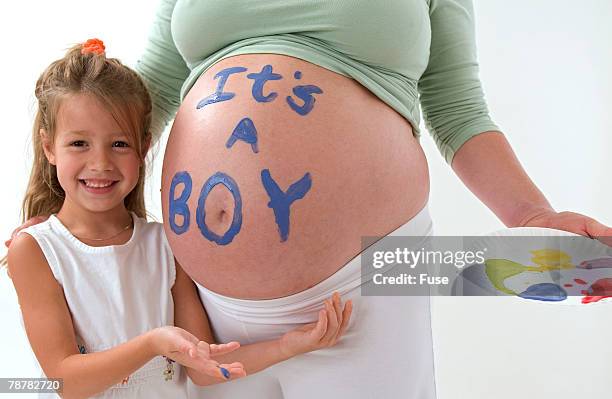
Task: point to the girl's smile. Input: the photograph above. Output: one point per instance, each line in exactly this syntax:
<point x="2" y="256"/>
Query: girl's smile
<point x="98" y="186"/>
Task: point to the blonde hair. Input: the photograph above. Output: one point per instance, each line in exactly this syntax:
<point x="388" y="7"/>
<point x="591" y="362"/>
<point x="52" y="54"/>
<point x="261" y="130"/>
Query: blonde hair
<point x="118" y="88"/>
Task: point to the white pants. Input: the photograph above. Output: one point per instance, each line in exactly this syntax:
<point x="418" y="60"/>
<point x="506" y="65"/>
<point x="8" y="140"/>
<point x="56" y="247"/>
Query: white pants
<point x="386" y="352"/>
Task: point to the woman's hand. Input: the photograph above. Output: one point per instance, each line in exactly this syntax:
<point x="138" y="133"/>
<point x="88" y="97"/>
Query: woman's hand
<point x="572" y="222"/>
<point x="330" y="326"/>
<point x="28" y="223"/>
<point x="185" y="348"/>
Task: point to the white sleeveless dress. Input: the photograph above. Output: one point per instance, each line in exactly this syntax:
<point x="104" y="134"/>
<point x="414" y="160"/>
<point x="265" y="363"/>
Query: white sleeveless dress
<point x="116" y="293"/>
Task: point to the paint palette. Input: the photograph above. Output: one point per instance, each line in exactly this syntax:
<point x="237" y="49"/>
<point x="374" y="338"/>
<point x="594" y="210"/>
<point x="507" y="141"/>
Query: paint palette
<point x="540" y="264"/>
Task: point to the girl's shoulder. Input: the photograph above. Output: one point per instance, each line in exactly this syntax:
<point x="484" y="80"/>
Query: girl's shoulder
<point x="38" y="236"/>
<point x="26" y="258"/>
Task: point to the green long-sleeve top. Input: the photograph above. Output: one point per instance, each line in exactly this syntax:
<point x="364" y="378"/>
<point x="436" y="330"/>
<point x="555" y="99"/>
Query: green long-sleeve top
<point x="403" y="51"/>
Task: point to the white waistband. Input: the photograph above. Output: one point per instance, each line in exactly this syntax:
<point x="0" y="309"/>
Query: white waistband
<point x="345" y="279"/>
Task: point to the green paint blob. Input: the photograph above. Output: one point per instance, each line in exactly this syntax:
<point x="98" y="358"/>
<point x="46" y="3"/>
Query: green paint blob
<point x="500" y="269"/>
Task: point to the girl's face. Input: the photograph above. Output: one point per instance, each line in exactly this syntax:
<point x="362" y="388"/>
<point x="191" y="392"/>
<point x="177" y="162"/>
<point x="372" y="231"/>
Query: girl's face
<point x="96" y="165"/>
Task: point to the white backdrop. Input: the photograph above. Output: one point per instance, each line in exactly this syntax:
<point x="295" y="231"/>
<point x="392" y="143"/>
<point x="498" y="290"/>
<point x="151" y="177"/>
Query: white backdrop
<point x="545" y="66"/>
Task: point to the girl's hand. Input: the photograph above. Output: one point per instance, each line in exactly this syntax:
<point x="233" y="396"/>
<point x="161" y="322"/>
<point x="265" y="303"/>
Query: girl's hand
<point x="28" y="223"/>
<point x="572" y="222"/>
<point x="186" y="349"/>
<point x="330" y="326"/>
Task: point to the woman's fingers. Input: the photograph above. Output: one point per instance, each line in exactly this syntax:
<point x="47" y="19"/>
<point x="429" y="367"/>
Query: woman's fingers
<point x="346" y="316"/>
<point x="28" y="223"/>
<point x="337" y="302"/>
<point x="599" y="231"/>
<point x="337" y="305"/>
<point x="321" y="327"/>
<point x="332" y="322"/>
<point x="340" y="318"/>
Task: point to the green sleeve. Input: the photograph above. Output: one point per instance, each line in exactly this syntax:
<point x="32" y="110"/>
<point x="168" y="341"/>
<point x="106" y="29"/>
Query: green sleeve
<point x="163" y="69"/>
<point x="450" y="91"/>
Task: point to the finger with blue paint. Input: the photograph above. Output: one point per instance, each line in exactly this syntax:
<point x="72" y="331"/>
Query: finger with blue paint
<point x="225" y="372"/>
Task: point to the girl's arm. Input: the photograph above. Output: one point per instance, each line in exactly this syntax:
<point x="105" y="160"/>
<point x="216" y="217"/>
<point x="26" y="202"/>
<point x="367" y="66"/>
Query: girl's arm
<point x="50" y="330"/>
<point x="190" y="315"/>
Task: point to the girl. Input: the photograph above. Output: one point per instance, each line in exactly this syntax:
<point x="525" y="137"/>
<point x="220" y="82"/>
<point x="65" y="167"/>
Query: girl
<point x="98" y="287"/>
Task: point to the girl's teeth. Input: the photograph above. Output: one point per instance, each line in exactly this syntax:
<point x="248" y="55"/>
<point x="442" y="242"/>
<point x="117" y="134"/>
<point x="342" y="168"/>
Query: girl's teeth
<point x="97" y="185"/>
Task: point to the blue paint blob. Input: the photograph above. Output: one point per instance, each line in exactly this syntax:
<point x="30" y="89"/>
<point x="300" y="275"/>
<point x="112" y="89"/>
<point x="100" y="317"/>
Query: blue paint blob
<point x="245" y="131"/>
<point x="219" y="95"/>
<point x="280" y="202"/>
<point x="545" y="292"/>
<point x="304" y="93"/>
<point x="259" y="80"/>
<point x="297" y="75"/>
<point x="225" y="372"/>
<point x="230" y="184"/>
<point x="179" y="206"/>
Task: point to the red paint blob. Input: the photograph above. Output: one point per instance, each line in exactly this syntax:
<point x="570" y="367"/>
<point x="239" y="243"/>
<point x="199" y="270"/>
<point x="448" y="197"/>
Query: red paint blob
<point x="567" y="285"/>
<point x="589" y="299"/>
<point x="600" y="289"/>
<point x="580" y="281"/>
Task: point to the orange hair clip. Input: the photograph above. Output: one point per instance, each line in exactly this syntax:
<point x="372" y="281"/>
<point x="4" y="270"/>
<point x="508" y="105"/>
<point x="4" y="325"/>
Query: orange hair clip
<point x="95" y="46"/>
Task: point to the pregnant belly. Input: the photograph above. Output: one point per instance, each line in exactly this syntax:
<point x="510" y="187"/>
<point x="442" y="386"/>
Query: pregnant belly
<point x="274" y="170"/>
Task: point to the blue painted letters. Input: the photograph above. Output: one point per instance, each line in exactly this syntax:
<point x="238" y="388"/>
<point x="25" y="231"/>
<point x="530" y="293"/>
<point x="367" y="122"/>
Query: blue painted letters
<point x="245" y="131"/>
<point x="259" y="80"/>
<point x="227" y="181"/>
<point x="280" y="202"/>
<point x="220" y="95"/>
<point x="179" y="205"/>
<point x="305" y="94"/>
